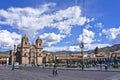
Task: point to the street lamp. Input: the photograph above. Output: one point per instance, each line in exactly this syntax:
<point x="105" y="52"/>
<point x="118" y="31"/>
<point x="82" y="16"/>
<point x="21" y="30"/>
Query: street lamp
<point x="14" y="59"/>
<point x="14" y="53"/>
<point x="82" y="46"/>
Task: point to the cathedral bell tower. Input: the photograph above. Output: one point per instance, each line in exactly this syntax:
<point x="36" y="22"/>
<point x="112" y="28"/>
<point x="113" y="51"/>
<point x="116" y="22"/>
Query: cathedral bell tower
<point x="38" y="43"/>
<point x="24" y="42"/>
<point x="39" y="51"/>
<point x="24" y="50"/>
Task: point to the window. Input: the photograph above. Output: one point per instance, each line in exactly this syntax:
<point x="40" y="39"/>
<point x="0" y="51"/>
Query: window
<point x="25" y="55"/>
<point x="39" y="54"/>
<point x="39" y="44"/>
<point x="25" y="43"/>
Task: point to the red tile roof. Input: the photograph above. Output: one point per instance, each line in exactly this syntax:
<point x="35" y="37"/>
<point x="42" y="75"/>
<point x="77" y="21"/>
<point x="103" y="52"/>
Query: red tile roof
<point x="4" y="55"/>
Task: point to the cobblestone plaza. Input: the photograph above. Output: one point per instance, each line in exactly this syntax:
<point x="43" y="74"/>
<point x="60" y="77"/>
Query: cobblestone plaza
<point x="37" y="73"/>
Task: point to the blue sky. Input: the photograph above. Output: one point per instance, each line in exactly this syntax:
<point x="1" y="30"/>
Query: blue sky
<point x="60" y="23"/>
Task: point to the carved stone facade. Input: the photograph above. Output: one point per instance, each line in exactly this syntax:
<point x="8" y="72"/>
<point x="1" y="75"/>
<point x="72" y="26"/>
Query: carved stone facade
<point x="27" y="53"/>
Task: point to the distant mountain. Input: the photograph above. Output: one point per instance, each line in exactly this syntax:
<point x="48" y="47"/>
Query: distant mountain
<point x="104" y="49"/>
<point x="111" y="48"/>
<point x="115" y="47"/>
<point x="7" y="52"/>
<point x="45" y="52"/>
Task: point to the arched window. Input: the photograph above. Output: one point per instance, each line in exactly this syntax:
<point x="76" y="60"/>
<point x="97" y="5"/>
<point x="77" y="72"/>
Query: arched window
<point x="25" y="54"/>
<point x="39" y="44"/>
<point x="25" y="43"/>
<point x="40" y="55"/>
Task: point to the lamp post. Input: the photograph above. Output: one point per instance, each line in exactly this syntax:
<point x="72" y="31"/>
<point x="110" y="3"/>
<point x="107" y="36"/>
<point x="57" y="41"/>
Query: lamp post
<point x="14" y="53"/>
<point x="14" y="58"/>
<point x="82" y="46"/>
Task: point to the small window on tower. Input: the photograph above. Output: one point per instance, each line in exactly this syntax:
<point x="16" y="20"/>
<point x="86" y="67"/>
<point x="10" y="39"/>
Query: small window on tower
<point x="25" y="54"/>
<point x="25" y="43"/>
<point x="39" y="44"/>
<point x="39" y="54"/>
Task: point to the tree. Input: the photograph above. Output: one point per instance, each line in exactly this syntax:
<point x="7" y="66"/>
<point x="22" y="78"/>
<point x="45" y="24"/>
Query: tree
<point x="96" y="51"/>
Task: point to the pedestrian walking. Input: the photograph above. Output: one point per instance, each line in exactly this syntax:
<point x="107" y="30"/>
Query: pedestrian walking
<point x="53" y="71"/>
<point x="106" y="66"/>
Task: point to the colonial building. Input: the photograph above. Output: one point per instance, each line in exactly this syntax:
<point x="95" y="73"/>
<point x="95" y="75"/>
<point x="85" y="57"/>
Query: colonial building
<point x="4" y="58"/>
<point x="26" y="53"/>
<point x="93" y="59"/>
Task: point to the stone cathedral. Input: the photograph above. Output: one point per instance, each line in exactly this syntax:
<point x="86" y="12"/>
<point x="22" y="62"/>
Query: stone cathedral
<point x="26" y="53"/>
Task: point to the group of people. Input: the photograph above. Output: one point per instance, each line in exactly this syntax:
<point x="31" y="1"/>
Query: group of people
<point x="54" y="72"/>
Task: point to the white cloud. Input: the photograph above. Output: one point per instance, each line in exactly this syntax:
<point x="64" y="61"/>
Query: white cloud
<point x="56" y="48"/>
<point x="89" y="20"/>
<point x="100" y="34"/>
<point x="87" y="37"/>
<point x="88" y="26"/>
<point x="99" y="25"/>
<point x="93" y="46"/>
<point x="92" y="19"/>
<point x="7" y="39"/>
<point x="64" y="19"/>
<point x="75" y="48"/>
<point x="99" y="40"/>
<point x="111" y="33"/>
<point x="29" y="20"/>
<point x="51" y="38"/>
<point x="63" y="48"/>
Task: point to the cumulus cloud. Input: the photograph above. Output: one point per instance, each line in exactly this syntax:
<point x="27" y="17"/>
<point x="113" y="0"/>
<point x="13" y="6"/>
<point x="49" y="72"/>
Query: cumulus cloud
<point x="62" y="48"/>
<point x="87" y="37"/>
<point x="51" y="38"/>
<point x="7" y="39"/>
<point x="29" y="20"/>
<point x="111" y="33"/>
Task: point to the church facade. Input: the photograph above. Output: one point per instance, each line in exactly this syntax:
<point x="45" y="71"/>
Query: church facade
<point x="26" y="53"/>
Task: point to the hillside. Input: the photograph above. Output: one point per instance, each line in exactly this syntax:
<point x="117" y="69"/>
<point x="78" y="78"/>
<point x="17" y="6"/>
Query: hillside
<point x="111" y="49"/>
<point x="104" y="49"/>
<point x="7" y="52"/>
